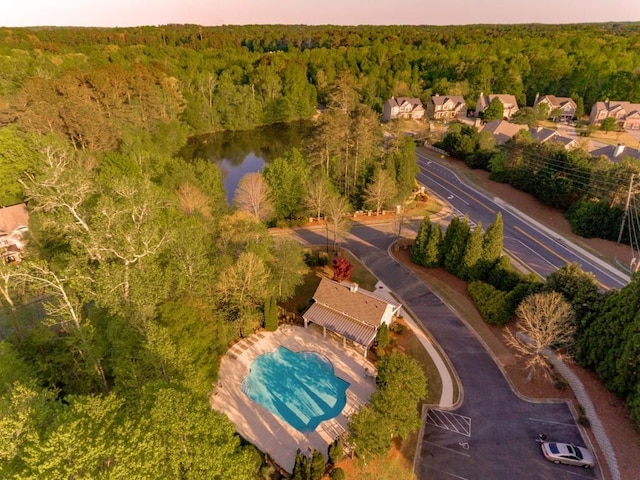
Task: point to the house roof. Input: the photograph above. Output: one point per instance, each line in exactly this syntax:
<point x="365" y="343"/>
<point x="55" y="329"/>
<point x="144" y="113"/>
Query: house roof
<point x="503" y="128"/>
<point x="616" y="153"/>
<point x="508" y="101"/>
<point x="443" y="99"/>
<point x="353" y="302"/>
<point x="13" y="217"/>
<point x="416" y="103"/>
<point x="615" y="105"/>
<point x="542" y="134"/>
<point x="557" y="102"/>
<point x="564" y="141"/>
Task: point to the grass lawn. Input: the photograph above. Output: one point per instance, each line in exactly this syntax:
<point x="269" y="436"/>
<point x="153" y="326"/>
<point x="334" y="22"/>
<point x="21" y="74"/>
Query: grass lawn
<point x="615" y="138"/>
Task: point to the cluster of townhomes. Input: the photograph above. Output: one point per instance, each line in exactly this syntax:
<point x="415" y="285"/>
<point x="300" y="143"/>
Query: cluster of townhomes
<point x="446" y="108"/>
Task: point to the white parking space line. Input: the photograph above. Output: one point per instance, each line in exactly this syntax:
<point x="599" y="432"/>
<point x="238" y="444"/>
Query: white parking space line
<point x="450" y="421"/>
<point x="446" y="473"/>
<point x="448" y="449"/>
<point x="552" y="423"/>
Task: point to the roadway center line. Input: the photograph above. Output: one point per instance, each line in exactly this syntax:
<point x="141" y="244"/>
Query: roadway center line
<point x="528" y="248"/>
<point x="477" y="200"/>
<point x="447" y="190"/>
<point x="533" y="239"/>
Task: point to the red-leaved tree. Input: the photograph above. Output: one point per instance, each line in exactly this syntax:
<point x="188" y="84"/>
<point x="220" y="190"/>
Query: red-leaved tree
<point x="342" y="269"/>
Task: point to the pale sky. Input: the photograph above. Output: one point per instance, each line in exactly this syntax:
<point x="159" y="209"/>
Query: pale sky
<point x="126" y="13"/>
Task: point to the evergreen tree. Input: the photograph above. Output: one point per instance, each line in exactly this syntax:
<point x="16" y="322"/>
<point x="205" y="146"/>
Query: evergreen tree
<point x="492" y="243"/>
<point x="299" y="468"/>
<point x="420" y="242"/>
<point x="270" y="314"/>
<point x="454" y="244"/>
<point x="382" y="338"/>
<point x="472" y="254"/>
<point x="579" y="108"/>
<point x="432" y="256"/>
<point x="335" y="452"/>
<point x="317" y="466"/>
<point x="406" y="168"/>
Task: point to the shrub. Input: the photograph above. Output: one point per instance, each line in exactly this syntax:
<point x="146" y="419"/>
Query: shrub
<point x="396" y="327"/>
<point x="310" y="260"/>
<point x="335" y="452"/>
<point x="490" y="301"/>
<point x="502" y="276"/>
<point x="323" y="259"/>
<point x="382" y="337"/>
<point x="338" y="474"/>
<point x="595" y="219"/>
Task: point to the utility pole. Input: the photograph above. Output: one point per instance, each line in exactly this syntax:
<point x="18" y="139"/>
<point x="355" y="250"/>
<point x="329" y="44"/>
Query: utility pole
<point x="634" y="229"/>
<point x="633" y="190"/>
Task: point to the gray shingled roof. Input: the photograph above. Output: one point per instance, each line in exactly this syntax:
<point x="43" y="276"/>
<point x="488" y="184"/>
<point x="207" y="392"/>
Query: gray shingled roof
<point x="357" y="305"/>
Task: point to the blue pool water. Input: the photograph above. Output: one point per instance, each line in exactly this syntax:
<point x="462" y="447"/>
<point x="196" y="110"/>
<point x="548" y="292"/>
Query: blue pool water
<point x="301" y="388"/>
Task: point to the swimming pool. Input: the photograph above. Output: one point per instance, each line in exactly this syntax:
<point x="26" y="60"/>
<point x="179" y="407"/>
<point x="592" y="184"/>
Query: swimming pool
<point x="299" y="387"/>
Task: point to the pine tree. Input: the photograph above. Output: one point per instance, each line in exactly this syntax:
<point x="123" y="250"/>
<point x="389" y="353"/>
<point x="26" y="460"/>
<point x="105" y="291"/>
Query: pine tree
<point x="301" y="468"/>
<point x="454" y="244"/>
<point x="270" y="314"/>
<point x="335" y="452"/>
<point x="317" y="465"/>
<point x="491" y="246"/>
<point x="382" y="338"/>
<point x="472" y="255"/>
<point x="419" y="244"/>
<point x="432" y="256"/>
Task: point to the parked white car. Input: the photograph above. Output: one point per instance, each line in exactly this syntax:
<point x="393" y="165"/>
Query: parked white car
<point x="568" y="454"/>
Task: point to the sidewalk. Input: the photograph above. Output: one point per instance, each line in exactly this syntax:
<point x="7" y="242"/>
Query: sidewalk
<point x="446" y="397"/>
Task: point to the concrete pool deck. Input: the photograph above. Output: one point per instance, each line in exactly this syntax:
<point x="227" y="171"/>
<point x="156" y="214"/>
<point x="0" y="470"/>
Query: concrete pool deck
<point x="269" y="432"/>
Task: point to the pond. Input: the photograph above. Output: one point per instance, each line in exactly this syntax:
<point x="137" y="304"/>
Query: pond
<point x="241" y="152"/>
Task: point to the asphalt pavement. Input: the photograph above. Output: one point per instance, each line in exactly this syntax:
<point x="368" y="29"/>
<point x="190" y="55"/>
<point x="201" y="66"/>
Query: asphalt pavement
<point x="492" y="433"/>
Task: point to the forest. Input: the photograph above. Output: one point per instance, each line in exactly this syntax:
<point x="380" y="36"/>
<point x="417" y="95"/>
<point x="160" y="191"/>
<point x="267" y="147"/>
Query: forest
<point x="138" y="274"/>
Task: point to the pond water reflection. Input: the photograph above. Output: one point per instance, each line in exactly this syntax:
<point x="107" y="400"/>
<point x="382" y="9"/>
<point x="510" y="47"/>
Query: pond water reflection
<point x="238" y="153"/>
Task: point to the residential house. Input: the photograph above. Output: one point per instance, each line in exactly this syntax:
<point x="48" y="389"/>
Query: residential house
<point x="502" y="130"/>
<point x="14" y="223"/>
<point x="349" y="311"/>
<point x="402" y="107"/>
<point x="627" y="114"/>
<point x="446" y="107"/>
<point x="543" y="135"/>
<point x="616" y="153"/>
<point x="509" y="103"/>
<point x="565" y="107"/>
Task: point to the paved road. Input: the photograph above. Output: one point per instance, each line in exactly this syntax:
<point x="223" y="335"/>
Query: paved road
<point x="493" y="434"/>
<point x="543" y="251"/>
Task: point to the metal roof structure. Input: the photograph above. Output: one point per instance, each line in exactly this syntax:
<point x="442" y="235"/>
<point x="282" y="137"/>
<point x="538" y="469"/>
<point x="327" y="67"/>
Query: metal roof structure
<point x="347" y="327"/>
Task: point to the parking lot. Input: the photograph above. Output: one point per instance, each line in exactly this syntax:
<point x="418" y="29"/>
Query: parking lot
<point x="455" y="446"/>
